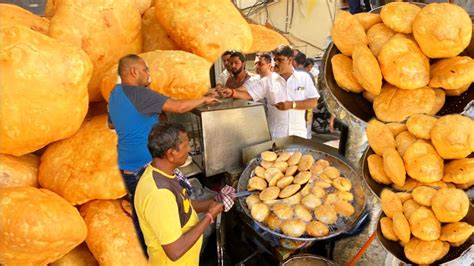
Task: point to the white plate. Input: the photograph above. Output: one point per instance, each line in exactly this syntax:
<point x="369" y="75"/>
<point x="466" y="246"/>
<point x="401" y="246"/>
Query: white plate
<point x="188" y="161"/>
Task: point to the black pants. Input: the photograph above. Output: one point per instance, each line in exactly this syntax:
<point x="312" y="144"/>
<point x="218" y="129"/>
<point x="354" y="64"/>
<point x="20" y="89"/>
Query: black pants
<point x="131" y="181"/>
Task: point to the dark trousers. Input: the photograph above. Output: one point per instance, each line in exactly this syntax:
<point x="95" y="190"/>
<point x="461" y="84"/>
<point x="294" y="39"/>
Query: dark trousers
<point x="355" y="7"/>
<point x="131" y="181"/>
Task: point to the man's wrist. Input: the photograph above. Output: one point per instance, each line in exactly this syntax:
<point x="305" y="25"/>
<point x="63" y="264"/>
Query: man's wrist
<point x="232" y="94"/>
<point x="210" y="217"/>
<point x="293" y="105"/>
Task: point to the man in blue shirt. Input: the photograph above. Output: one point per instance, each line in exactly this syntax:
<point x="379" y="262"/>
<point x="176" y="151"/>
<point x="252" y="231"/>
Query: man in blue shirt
<point x="133" y="110"/>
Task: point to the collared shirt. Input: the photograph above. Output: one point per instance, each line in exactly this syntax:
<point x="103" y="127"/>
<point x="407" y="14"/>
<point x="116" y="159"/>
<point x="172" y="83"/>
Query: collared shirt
<point x="275" y="89"/>
<point x="223" y="77"/>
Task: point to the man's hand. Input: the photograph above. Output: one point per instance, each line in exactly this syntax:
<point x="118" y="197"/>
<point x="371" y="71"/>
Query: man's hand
<point x="210" y="100"/>
<point x="225" y="92"/>
<point x="212" y="92"/>
<point x="215" y="208"/>
<point x="283" y="105"/>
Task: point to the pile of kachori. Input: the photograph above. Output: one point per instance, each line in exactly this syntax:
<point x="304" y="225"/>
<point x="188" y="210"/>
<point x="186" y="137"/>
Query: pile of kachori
<point x="298" y="195"/>
<point x="427" y="151"/>
<point x="406" y="59"/>
<point x="426" y="222"/>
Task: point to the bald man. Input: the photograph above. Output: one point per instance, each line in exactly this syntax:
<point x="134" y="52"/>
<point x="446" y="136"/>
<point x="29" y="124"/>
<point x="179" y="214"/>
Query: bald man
<point x="133" y="110"/>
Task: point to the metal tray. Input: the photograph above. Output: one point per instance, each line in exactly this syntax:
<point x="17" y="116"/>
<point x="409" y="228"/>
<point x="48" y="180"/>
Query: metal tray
<point x="394" y="248"/>
<point x="343" y="225"/>
<point x="356" y="105"/>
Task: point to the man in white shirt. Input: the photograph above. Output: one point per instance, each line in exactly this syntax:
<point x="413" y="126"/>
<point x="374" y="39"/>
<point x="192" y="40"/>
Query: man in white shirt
<point x="288" y="93"/>
<point x="226" y="73"/>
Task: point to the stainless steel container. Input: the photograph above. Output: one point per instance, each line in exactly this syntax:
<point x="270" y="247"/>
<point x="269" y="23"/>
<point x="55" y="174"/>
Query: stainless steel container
<point x="219" y="132"/>
<point x="307" y="260"/>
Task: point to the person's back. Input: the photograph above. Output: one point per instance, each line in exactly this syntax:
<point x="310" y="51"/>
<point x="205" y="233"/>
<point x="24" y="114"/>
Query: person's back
<point x="132" y="126"/>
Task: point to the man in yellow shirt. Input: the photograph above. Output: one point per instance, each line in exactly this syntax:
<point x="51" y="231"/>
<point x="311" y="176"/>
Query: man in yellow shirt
<point x="167" y="216"/>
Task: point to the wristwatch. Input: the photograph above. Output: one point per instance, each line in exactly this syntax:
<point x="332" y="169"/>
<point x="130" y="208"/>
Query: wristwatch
<point x="294" y="105"/>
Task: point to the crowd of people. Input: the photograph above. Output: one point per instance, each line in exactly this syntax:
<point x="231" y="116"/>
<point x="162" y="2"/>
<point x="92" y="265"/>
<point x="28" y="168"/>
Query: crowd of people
<point x="150" y="151"/>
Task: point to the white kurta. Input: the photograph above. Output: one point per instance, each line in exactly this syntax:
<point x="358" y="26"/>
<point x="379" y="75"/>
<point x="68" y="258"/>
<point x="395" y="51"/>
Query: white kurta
<point x="275" y="89"/>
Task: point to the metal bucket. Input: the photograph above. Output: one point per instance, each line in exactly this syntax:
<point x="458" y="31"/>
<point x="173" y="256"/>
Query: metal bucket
<point x="307" y="260"/>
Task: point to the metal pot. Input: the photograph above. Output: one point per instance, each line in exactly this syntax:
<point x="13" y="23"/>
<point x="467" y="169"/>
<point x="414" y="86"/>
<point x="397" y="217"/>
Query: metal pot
<point x="307" y="260"/>
<point x="342" y="226"/>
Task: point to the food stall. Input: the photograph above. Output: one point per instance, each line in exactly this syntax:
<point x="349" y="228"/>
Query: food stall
<point x="398" y="191"/>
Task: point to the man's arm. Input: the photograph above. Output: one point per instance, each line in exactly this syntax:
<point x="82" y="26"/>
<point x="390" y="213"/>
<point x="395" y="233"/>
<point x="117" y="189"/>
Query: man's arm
<point x="176" y="250"/>
<point x="202" y="205"/>
<point x="183" y="106"/>
<point x="299" y="105"/>
<point x="239" y="93"/>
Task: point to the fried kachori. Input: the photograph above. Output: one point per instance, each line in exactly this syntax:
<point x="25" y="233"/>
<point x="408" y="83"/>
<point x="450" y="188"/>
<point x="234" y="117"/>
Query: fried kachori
<point x="368" y="19"/>
<point x="375" y="163"/>
<point x="399" y="16"/>
<point x="342" y="184"/>
<point x="420" y="125"/>
<point x="269" y="156"/>
<point x="259" y="211"/>
<point x="379" y="136"/>
<point x="452" y="73"/>
<point x="453" y="136"/>
<point x="273" y="222"/>
<point x="302" y="177"/>
<point x="386" y="225"/>
<point x="305" y="162"/>
<point x="294" y="158"/>
<point x="409" y="207"/>
<point x="403" y="141"/>
<point x="396" y="128"/>
<point x="344" y="208"/>
<point x="424" y="225"/>
<point x="284" y="181"/>
<point x="293" y="228"/>
<point x="252" y="200"/>
<point x="403" y="64"/>
<point x="317" y="229"/>
<point x="283" y="156"/>
<point x="450" y="205"/>
<point x="440" y="99"/>
<point x="423" y="195"/>
<point x="366" y="69"/>
<point x="347" y="33"/>
<point x="394" y="167"/>
<point x="311" y="201"/>
<point x="459" y="171"/>
<point x="289" y="190"/>
<point x="260" y="171"/>
<point x="342" y="69"/>
<point x="390" y="203"/>
<point x="282" y="211"/>
<point x="377" y="36"/>
<point x="423" y="252"/>
<point x="456" y="232"/>
<point x="396" y="105"/>
<point x="442" y="30"/>
<point x="404" y="196"/>
<point x="302" y="213"/>
<point x="269" y="193"/>
<point x="325" y="214"/>
<point x="401" y="227"/>
<point x="423" y="163"/>
<point x="256" y="183"/>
